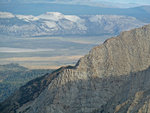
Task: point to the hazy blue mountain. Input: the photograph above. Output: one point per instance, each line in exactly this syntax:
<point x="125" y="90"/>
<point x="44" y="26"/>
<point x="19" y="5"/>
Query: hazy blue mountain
<point x="73" y="9"/>
<point x="55" y="23"/>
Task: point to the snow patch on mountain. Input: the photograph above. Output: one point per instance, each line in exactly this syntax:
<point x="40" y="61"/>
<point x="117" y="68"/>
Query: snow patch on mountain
<point x="74" y="18"/>
<point x="55" y="23"/>
<point x="54" y="16"/>
<point x="100" y="18"/>
<point x="6" y="15"/>
<point x="50" y="24"/>
<point x="27" y="17"/>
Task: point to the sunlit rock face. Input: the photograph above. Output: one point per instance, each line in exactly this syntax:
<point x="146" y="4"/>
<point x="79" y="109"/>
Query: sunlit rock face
<point x="112" y="78"/>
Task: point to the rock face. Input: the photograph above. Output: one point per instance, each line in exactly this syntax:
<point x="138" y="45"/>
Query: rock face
<point x="112" y="78"/>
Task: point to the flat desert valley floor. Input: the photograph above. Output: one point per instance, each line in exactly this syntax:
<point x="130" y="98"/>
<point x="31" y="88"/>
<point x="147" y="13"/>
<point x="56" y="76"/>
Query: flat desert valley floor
<point x="46" y="52"/>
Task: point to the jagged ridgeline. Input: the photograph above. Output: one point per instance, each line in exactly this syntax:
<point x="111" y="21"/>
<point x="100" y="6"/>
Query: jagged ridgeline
<point x="112" y="78"/>
<point x="12" y="76"/>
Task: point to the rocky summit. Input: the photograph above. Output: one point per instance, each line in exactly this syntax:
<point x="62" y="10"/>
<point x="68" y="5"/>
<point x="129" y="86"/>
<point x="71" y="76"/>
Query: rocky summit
<point x="113" y="77"/>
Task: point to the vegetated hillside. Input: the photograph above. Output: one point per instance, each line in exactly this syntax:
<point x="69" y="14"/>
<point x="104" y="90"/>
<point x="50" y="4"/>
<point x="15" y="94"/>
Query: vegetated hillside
<point x="12" y="76"/>
<point x="57" y="24"/>
<point x="111" y="78"/>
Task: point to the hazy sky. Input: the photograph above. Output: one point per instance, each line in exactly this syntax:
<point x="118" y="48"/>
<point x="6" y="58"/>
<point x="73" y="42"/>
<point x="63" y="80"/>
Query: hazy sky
<point x="118" y="1"/>
<point x="128" y="1"/>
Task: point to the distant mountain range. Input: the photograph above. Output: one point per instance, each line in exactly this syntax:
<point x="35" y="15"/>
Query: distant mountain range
<point x="141" y="13"/>
<point x="113" y="77"/>
<point x="58" y="24"/>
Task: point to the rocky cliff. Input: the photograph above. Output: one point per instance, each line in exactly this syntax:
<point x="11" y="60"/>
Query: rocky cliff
<point x="112" y="78"/>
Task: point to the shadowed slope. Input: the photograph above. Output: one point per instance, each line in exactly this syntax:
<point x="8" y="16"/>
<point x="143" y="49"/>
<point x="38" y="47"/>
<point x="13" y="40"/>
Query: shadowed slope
<point x="28" y="92"/>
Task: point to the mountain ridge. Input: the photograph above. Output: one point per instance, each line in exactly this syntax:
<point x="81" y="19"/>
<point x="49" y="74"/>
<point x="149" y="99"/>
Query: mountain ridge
<point x="72" y="9"/>
<point x="58" y="24"/>
<point x="119" y="68"/>
<point x="13" y="76"/>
